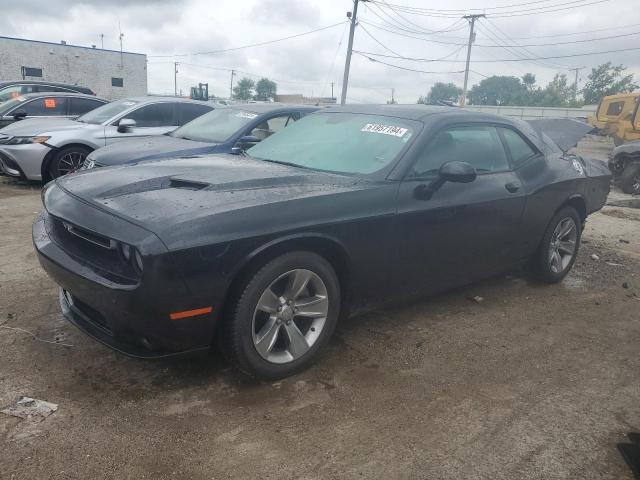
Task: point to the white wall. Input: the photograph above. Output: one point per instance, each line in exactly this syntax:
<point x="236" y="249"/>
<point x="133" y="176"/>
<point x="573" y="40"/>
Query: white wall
<point x="89" y="67"/>
<point x="529" y="113"/>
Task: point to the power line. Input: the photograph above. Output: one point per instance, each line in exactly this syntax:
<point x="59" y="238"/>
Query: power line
<point x="248" y="46"/>
<point x="584" y="32"/>
<point x="362" y="54"/>
<point x="404" y="28"/>
<point x="503" y="59"/>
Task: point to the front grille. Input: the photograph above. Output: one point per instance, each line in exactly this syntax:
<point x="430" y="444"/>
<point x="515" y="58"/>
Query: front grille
<point x="91" y="314"/>
<point x="89" y="248"/>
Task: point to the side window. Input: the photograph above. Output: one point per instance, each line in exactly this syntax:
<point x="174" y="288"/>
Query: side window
<point x="271" y="126"/>
<point x="80" y="106"/>
<point x="190" y="111"/>
<point x="518" y="147"/>
<point x="47" y="88"/>
<point x="46" y="106"/>
<point x="615" y="108"/>
<point x="479" y="146"/>
<point x="154" y="115"/>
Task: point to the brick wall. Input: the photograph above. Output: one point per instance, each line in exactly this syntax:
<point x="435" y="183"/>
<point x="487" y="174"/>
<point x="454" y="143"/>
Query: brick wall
<point x="89" y="67"/>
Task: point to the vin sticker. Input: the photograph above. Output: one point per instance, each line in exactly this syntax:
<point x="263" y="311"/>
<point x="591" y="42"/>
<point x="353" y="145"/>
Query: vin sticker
<point x="385" y="129"/>
<point x="246" y="115"/>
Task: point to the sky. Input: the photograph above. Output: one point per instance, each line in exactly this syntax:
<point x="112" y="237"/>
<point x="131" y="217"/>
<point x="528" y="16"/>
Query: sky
<point x="172" y="30"/>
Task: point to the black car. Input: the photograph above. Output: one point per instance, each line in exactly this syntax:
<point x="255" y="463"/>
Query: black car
<point x="47" y="105"/>
<point x="344" y="209"/>
<point x="8" y="90"/>
<point x="227" y="129"/>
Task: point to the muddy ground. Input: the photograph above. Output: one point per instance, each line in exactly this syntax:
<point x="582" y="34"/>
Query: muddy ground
<point x="535" y="382"/>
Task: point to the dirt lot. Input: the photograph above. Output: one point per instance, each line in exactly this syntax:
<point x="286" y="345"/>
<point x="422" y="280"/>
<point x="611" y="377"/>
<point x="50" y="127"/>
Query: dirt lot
<point x="536" y="382"/>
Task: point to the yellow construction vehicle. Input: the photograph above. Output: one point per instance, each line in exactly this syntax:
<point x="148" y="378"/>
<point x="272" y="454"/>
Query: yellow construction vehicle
<point x="612" y="110"/>
<point x="628" y="128"/>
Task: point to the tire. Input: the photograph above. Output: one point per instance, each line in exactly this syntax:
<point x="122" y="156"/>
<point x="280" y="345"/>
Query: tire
<point x="630" y="179"/>
<point x="247" y="338"/>
<point x="67" y="160"/>
<point x="545" y="264"/>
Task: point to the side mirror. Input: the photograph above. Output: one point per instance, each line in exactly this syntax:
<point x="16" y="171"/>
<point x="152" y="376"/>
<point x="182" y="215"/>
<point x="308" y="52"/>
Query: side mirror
<point x="455" y="172"/>
<point x="19" y="114"/>
<point x="458" y="172"/>
<point x="244" y="143"/>
<point x="125" y="125"/>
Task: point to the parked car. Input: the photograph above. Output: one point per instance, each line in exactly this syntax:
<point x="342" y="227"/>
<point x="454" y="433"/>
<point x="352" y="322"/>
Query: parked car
<point x="8" y="90"/>
<point x="624" y="163"/>
<point x="224" y="130"/>
<point x="613" y="109"/>
<point x="47" y="105"/>
<point x="346" y="208"/>
<point x="44" y="149"/>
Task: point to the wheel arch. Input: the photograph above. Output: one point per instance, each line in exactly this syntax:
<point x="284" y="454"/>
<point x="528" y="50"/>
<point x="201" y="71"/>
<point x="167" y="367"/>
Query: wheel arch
<point x="331" y="249"/>
<point x="578" y="202"/>
<point x="46" y="161"/>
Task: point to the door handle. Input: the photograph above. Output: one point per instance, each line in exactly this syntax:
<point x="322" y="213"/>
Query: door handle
<point x="512" y="187"/>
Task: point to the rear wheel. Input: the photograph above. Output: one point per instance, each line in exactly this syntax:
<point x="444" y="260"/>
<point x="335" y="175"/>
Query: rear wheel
<point x="286" y="312"/>
<point x="630" y="179"/>
<point x="67" y="160"/>
<point x="559" y="248"/>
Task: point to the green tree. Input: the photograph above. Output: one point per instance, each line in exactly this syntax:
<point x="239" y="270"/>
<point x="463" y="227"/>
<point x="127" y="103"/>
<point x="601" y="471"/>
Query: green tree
<point x="244" y="89"/>
<point x="442" y="92"/>
<point x="558" y="93"/>
<point x="265" y="89"/>
<point x="498" y="90"/>
<point x="607" y="79"/>
<point x="529" y="81"/>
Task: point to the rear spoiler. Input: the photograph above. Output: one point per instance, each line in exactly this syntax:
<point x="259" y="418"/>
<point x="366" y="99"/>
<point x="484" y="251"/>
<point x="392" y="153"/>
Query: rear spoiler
<point x="565" y="132"/>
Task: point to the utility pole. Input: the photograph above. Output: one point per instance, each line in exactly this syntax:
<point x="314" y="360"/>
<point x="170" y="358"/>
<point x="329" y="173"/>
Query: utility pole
<point x="472" y="21"/>
<point x="102" y="40"/>
<point x="347" y="62"/>
<point x="393" y="100"/>
<point x="332" y="90"/>
<point x="233" y="72"/>
<point x="575" y="84"/>
<point x="175" y="78"/>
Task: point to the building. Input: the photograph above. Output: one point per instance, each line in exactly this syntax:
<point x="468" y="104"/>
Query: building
<point x="299" y="98"/>
<point x="109" y="73"/>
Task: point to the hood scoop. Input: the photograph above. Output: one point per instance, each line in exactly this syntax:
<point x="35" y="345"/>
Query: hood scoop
<point x="187" y="184"/>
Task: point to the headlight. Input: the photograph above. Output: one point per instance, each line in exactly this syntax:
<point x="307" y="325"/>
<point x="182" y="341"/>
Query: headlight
<point x="25" y="140"/>
<point x="126" y="251"/>
<point x="138" y="258"/>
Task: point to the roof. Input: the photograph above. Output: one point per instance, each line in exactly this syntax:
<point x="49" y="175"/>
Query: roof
<point x="154" y="98"/>
<point x="416" y="112"/>
<point x="68" y="45"/>
<point x="58" y="94"/>
<point x="268" y="107"/>
<point x="44" y="82"/>
<point x="620" y="96"/>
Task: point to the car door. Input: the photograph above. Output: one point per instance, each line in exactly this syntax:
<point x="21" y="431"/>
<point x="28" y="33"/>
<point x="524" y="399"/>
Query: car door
<point x="151" y="119"/>
<point x="464" y="231"/>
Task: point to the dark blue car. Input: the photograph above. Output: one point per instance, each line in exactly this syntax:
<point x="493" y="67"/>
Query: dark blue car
<point x="228" y="129"/>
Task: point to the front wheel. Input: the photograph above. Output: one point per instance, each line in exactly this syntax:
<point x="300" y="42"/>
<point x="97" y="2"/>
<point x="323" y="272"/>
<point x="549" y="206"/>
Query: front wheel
<point x="559" y="247"/>
<point x="285" y="313"/>
<point x="68" y="160"/>
<point x="630" y="179"/>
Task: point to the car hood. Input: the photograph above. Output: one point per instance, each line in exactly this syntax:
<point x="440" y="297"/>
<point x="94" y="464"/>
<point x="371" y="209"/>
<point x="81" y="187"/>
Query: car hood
<point x="137" y="149"/>
<point x="38" y="126"/>
<point x="630" y="147"/>
<point x="219" y="196"/>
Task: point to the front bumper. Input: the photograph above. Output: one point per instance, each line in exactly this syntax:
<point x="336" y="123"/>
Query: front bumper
<point x="23" y="160"/>
<point x="131" y="318"/>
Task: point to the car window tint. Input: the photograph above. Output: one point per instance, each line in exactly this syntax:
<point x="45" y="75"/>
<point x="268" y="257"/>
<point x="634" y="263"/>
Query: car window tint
<point x="615" y="108"/>
<point x="271" y="126"/>
<point x="519" y="149"/>
<point x="12" y="91"/>
<point x="190" y="111"/>
<point x="80" y="106"/>
<point x="479" y="146"/>
<point x="154" y="115"/>
<point x="46" y="106"/>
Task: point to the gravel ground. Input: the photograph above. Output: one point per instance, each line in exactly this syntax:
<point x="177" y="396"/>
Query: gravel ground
<point x="535" y="381"/>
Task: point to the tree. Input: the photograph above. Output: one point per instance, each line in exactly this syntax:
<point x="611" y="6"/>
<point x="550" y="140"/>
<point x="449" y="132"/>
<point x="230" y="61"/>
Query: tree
<point x="265" y="89"/>
<point x="607" y="79"/>
<point x="558" y="93"/>
<point x="244" y="89"/>
<point x="498" y="90"/>
<point x="529" y="81"/>
<point x="442" y="92"/>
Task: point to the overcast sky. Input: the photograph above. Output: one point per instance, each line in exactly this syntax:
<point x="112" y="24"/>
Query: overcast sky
<point x="308" y="64"/>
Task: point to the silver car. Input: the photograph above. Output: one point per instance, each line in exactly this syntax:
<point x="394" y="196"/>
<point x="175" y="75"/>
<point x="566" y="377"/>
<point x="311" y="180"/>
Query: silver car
<point x="44" y="149"/>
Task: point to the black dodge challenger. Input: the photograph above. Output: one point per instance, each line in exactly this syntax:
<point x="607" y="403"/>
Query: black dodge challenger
<point x="347" y="208"/>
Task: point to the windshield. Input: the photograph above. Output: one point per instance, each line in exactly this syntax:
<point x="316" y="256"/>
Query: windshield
<point x="215" y="126"/>
<point x="338" y="142"/>
<point x="106" y="112"/>
<point x="7" y="105"/>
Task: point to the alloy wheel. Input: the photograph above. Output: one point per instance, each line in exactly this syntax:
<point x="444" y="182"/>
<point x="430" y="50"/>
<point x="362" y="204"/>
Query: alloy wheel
<point x="290" y="316"/>
<point x="70" y="162"/>
<point x="635" y="186"/>
<point x="563" y="245"/>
